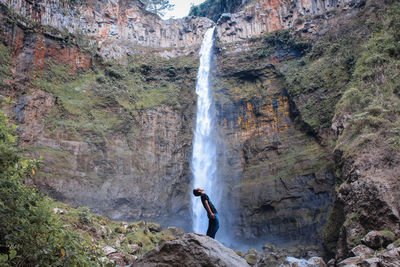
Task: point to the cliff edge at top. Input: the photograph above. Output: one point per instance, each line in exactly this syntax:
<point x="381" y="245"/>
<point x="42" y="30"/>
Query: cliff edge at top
<point x="117" y="28"/>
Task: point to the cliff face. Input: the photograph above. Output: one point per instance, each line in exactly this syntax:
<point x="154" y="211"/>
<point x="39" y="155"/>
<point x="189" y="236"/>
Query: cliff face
<point x="279" y="178"/>
<point x="117" y="28"/>
<point x="265" y="16"/>
<point x="113" y="135"/>
<point x="113" y="120"/>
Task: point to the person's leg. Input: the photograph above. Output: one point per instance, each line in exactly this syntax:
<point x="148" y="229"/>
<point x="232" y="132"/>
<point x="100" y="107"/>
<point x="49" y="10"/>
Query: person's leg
<point x="216" y="225"/>
<point x="213" y="225"/>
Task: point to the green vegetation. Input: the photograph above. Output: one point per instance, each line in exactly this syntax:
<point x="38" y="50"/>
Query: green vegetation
<point x="128" y="238"/>
<point x="322" y="75"/>
<point x="37" y="231"/>
<point x="331" y="229"/>
<point x="157" y="6"/>
<point x="213" y="9"/>
<point x="4" y="63"/>
<point x="282" y="40"/>
<point x="94" y="104"/>
<point x="350" y="217"/>
<point x="30" y="235"/>
<point x="372" y="97"/>
<point x="388" y="234"/>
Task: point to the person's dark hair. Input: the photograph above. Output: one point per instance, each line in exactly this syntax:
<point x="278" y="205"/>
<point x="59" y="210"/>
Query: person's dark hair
<point x="196" y="192"/>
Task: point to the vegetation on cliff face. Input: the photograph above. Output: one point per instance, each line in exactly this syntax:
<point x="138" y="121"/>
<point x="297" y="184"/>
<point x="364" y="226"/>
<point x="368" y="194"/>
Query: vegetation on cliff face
<point x="352" y="85"/>
<point x="372" y="97"/>
<point x="4" y="63"/>
<point x="100" y="102"/>
<point x="213" y="9"/>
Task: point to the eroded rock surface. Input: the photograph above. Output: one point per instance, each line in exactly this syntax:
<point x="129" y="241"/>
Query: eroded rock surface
<point x="118" y="27"/>
<point x="191" y="250"/>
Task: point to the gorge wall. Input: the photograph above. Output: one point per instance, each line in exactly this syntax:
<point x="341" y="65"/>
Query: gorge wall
<point x="104" y="91"/>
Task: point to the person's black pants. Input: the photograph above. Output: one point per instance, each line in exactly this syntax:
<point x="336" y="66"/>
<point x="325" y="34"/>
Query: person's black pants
<point x="213" y="225"/>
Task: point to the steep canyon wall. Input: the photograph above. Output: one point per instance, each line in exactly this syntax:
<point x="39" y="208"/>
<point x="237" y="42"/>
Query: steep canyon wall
<point x="104" y="91"/>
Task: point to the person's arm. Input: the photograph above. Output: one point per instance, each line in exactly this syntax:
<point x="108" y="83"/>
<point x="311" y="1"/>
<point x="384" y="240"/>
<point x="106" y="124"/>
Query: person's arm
<point x="208" y="209"/>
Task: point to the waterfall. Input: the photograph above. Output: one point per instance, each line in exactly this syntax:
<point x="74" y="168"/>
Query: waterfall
<point x="204" y="148"/>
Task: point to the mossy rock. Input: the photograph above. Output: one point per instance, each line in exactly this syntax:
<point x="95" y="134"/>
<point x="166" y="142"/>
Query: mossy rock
<point x="251" y="259"/>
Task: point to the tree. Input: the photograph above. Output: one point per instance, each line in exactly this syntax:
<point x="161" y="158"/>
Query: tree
<point x="157" y="6"/>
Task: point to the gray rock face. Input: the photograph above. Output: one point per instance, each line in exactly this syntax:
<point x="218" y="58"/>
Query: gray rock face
<point x="191" y="250"/>
<point x="121" y="27"/>
<point x="267" y="16"/>
<point x="118" y="27"/>
<point x="284" y="187"/>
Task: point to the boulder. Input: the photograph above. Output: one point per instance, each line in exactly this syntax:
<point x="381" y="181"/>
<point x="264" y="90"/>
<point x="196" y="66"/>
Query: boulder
<point x="312" y="262"/>
<point x="191" y="250"/>
<point x="107" y="250"/>
<point x="391" y="258"/>
<point x="362" y="250"/>
<point x="378" y="239"/>
<point x="353" y="261"/>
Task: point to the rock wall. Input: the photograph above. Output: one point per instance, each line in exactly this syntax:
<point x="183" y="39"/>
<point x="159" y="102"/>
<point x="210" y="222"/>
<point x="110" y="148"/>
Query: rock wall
<point x="139" y="170"/>
<point x="117" y="28"/>
<point x="123" y="27"/>
<point x="113" y="178"/>
<point x="264" y="16"/>
<point x="277" y="180"/>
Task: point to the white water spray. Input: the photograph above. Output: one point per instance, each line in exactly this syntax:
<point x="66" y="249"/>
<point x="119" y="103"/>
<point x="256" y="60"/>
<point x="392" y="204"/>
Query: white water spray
<point x="204" y="148"/>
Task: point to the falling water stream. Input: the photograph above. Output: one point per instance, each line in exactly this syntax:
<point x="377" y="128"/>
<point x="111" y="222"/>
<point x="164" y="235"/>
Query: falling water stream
<point x="204" y="147"/>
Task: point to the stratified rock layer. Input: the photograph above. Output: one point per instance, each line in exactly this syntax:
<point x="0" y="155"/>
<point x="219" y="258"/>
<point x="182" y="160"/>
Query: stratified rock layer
<point x="118" y="28"/>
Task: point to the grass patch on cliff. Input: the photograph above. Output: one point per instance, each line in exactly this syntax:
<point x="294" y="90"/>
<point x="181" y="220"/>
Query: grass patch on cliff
<point x="317" y="81"/>
<point x="92" y="105"/>
<point x="372" y="99"/>
<point x="4" y="63"/>
<point x="282" y="40"/>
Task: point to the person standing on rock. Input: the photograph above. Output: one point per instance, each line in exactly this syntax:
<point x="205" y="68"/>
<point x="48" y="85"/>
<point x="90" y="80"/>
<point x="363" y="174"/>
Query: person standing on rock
<point x="212" y="214"/>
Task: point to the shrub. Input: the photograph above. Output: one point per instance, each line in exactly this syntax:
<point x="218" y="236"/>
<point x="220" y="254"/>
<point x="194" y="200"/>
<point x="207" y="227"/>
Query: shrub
<point x="30" y="235"/>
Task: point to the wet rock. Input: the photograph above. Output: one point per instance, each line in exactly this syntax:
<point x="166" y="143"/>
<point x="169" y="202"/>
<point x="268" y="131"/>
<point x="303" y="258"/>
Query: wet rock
<point x="331" y="263"/>
<point x="372" y="262"/>
<point x="386" y="258"/>
<point x="191" y="250"/>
